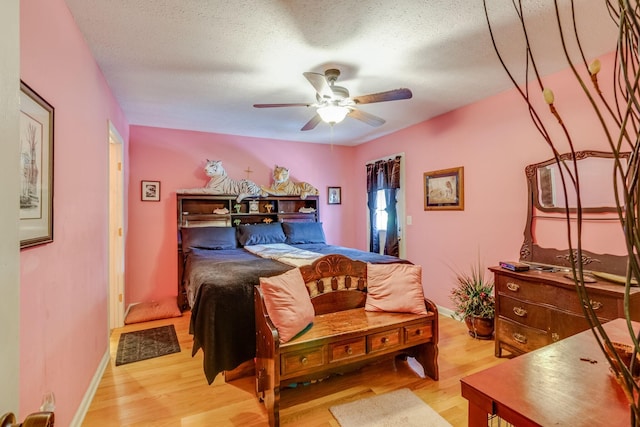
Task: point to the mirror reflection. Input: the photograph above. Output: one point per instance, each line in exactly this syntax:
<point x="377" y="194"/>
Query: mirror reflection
<point x="595" y="170"/>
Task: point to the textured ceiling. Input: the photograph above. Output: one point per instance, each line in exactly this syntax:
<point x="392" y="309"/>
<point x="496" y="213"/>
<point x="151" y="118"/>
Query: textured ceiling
<point x="201" y="65"/>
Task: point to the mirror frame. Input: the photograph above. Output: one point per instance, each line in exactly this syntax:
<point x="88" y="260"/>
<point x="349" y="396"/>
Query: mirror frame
<point x="534" y="254"/>
<point x="532" y="174"/>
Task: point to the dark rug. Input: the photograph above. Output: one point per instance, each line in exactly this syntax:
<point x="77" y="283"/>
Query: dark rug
<point x="147" y="344"/>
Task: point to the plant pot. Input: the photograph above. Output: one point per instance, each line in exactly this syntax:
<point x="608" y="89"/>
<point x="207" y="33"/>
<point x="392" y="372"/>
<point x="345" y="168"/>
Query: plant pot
<point x="480" y="327"/>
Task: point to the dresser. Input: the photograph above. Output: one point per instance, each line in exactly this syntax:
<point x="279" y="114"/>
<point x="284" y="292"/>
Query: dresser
<point x="536" y="308"/>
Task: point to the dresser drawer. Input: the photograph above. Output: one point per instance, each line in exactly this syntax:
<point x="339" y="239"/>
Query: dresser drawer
<point x="521" y="337"/>
<point x="383" y="340"/>
<point x="417" y="333"/>
<point x="301" y="360"/>
<point x="347" y="349"/>
<point x="563" y="325"/>
<point x="526" y="313"/>
<point x="561" y="297"/>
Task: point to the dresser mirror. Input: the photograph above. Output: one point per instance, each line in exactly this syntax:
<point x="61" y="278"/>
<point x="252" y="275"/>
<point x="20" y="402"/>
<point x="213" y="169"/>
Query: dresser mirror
<point x="546" y="236"/>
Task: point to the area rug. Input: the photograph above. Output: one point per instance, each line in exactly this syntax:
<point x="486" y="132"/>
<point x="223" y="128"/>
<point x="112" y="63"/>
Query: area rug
<point x="147" y="344"/>
<point x="398" y="408"/>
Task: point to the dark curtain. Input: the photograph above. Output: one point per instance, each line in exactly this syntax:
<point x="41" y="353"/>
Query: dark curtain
<point x="384" y="175"/>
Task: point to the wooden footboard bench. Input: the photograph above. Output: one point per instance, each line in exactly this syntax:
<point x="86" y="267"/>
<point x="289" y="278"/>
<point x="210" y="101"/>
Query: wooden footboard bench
<point x="343" y="335"/>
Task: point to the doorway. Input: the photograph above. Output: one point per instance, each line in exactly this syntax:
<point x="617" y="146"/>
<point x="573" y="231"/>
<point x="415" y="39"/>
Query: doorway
<point x="381" y="218"/>
<point x="116" y="229"/>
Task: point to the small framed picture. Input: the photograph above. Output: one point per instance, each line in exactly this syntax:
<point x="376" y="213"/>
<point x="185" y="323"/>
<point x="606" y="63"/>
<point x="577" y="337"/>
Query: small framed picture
<point x="444" y="189"/>
<point x="334" y="195"/>
<point x="150" y="191"/>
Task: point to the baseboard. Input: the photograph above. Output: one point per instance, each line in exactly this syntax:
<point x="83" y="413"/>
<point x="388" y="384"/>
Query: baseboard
<point x="444" y="311"/>
<point x="91" y="390"/>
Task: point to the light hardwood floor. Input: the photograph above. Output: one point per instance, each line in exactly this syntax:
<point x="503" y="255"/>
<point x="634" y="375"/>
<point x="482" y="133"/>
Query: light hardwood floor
<point x="172" y="390"/>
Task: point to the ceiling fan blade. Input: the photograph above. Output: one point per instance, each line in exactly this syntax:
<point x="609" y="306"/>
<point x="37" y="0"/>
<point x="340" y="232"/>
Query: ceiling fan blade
<point x="369" y="119"/>
<point x="319" y="83"/>
<point x="281" y="105"/>
<point x="312" y="123"/>
<point x="391" y="95"/>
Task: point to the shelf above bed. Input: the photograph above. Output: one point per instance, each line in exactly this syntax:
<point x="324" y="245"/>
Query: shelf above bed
<point x="197" y="210"/>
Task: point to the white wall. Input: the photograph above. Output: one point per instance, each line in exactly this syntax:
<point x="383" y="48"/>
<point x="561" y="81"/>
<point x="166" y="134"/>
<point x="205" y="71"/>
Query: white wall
<point x="9" y="174"/>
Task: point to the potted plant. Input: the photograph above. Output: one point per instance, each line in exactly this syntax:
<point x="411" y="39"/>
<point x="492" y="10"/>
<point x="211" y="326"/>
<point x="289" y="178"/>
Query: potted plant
<point x="474" y="301"/>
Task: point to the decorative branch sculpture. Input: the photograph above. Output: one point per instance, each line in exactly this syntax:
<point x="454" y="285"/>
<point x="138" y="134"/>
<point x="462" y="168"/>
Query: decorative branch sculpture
<point x="618" y="113"/>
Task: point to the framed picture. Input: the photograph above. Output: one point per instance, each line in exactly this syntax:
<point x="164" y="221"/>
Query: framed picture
<point x="334" y="195"/>
<point x="444" y="189"/>
<point x="36" y="169"/>
<point x="150" y="191"/>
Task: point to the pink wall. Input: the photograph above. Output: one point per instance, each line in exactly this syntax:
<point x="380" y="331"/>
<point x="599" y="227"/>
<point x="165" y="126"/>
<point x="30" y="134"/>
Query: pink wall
<point x="494" y="140"/>
<point x="176" y="158"/>
<point x="63" y="322"/>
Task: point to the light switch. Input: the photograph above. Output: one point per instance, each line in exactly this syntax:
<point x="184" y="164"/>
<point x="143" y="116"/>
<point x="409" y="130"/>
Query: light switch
<point x="409" y="220"/>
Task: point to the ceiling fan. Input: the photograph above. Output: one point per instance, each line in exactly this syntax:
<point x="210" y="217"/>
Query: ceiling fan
<point x="333" y="103"/>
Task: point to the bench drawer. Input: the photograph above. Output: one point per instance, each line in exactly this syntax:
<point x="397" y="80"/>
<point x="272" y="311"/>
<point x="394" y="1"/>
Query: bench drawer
<point x="347" y="349"/>
<point x="301" y="360"/>
<point x="417" y="333"/>
<point x="383" y="340"/>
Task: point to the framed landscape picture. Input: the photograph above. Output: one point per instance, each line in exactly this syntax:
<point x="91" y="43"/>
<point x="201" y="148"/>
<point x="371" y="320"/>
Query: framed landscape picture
<point x="444" y="189"/>
<point x="36" y="168"/>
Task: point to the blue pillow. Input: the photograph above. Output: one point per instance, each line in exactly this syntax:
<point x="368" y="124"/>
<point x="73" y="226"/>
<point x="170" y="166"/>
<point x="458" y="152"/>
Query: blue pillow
<point x="260" y="234"/>
<point x="208" y="238"/>
<point x="303" y="232"/>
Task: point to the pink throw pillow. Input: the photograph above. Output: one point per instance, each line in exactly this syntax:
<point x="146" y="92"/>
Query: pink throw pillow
<point x="288" y="303"/>
<point x="395" y="287"/>
<point x="153" y="310"/>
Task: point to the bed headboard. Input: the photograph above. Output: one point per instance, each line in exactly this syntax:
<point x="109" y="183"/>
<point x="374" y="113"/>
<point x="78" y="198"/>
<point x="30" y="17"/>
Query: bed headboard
<point x="201" y="210"/>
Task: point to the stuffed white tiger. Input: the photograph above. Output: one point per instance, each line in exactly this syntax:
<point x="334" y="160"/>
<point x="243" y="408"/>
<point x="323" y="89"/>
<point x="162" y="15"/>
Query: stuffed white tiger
<point x="221" y="183"/>
<point x="283" y="187"/>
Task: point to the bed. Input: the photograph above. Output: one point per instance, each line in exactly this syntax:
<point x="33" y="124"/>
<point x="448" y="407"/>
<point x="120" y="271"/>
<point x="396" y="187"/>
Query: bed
<point x="220" y="274"/>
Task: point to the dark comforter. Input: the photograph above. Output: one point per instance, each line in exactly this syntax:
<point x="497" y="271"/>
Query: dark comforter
<point x="220" y="285"/>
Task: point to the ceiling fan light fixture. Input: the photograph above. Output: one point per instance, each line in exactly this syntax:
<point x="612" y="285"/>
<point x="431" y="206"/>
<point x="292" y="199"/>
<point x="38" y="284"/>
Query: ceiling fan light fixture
<point x="333" y="114"/>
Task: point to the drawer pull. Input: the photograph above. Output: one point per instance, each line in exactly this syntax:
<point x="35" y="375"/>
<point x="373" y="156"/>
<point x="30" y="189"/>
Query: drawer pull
<point x="519" y="311"/>
<point x="596" y="305"/>
<point x="304" y="360"/>
<point x="348" y="350"/>
<point x="522" y="339"/>
<point x="384" y="340"/>
<point x="513" y="286"/>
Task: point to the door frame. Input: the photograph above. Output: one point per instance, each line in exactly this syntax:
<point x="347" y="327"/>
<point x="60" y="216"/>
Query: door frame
<point x="116" y="229"/>
<point x="400" y="206"/>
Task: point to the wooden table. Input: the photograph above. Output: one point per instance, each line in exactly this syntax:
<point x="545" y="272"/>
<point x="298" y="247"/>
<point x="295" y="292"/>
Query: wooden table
<point x="552" y="386"/>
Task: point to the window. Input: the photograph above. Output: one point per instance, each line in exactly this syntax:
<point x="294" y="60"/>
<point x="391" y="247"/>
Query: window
<point x="381" y="213"/>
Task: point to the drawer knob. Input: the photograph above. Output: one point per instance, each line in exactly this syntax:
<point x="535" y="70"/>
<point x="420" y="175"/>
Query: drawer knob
<point x="384" y="340"/>
<point x="596" y="305"/>
<point x="348" y="350"/>
<point x="418" y="332"/>
<point x="519" y="311"/>
<point x="522" y="339"/>
<point x="513" y="286"/>
<point x="555" y="336"/>
<point x="304" y="360"/>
